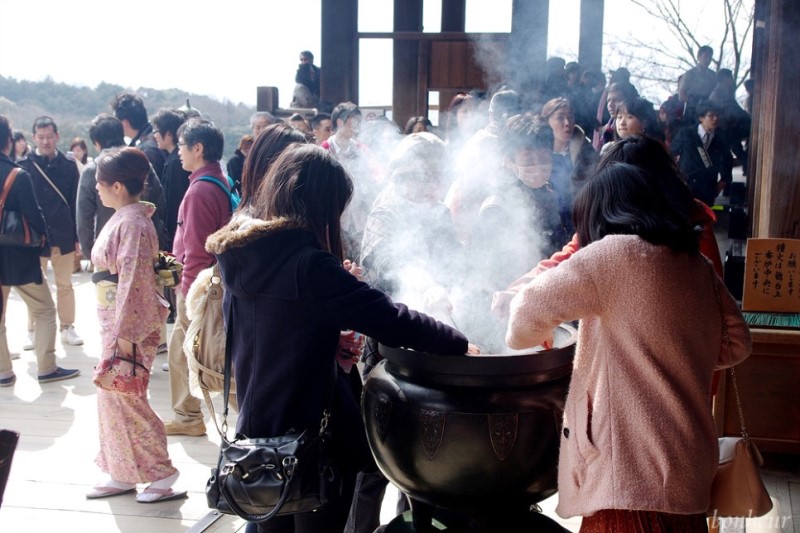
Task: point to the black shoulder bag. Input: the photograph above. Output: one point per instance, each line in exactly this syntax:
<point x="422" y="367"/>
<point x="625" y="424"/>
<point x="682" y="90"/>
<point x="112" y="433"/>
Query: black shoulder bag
<point x="14" y="228"/>
<point x="258" y="479"/>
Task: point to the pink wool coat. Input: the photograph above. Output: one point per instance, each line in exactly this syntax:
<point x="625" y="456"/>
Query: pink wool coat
<point x="638" y="432"/>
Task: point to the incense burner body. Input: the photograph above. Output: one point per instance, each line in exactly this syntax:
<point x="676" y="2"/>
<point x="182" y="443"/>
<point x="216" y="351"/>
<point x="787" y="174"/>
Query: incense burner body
<point x="468" y="432"/>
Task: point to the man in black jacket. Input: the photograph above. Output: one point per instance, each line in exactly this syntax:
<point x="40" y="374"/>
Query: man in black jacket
<point x="704" y="155"/>
<point x="55" y="181"/>
<point x="20" y="268"/>
<point x="129" y="109"/>
<point x="106" y="133"/>
<point x="174" y="178"/>
<point x="306" y="92"/>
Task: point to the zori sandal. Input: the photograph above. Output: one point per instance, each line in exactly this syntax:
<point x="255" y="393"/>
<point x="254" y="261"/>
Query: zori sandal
<point x="101" y="491"/>
<point x="153" y="495"/>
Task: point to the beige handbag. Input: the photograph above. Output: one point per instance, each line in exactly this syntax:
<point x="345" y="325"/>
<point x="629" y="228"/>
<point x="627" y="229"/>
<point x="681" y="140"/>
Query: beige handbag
<point x="204" y="344"/>
<point x="737" y="489"/>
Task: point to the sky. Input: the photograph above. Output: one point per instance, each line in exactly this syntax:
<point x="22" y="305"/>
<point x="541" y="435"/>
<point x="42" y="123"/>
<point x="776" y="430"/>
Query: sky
<point x="225" y="49"/>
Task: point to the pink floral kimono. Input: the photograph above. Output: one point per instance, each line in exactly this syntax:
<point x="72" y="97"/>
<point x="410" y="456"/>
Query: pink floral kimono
<point x="133" y="444"/>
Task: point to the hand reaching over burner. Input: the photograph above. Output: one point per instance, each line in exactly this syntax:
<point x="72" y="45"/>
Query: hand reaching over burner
<point x="501" y="301"/>
<point x="547" y="343"/>
<point x="437" y="301"/>
<point x="354" y="268"/>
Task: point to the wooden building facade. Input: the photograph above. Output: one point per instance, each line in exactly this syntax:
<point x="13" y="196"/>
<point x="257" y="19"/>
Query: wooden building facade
<point x="446" y="62"/>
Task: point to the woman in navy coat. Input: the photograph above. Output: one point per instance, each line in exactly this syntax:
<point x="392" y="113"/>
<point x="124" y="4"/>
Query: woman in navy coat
<point x="291" y="297"/>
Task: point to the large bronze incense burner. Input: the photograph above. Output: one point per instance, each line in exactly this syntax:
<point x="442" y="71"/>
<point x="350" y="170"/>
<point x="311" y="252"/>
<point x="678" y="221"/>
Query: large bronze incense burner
<point x="477" y="436"/>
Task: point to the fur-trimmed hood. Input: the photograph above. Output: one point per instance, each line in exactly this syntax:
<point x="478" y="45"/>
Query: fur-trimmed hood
<point x="261" y="256"/>
<point x="243" y="230"/>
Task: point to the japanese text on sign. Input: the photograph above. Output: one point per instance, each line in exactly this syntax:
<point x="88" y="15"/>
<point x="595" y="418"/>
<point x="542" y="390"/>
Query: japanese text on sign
<point x="771" y="276"/>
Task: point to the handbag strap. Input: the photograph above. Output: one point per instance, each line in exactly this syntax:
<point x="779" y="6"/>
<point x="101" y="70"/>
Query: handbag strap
<point x="134" y="363"/>
<point x="235" y="507"/>
<point x="47" y="178"/>
<point x="10" y="177"/>
<point x="726" y="339"/>
<point x="226" y="389"/>
<point x="326" y="413"/>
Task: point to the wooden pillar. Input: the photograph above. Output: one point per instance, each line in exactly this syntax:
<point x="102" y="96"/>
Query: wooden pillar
<point x="590" y="46"/>
<point x="757" y="61"/>
<point x="454" y="15"/>
<point x="776" y="194"/>
<point x="406" y="99"/>
<point x="454" y="18"/>
<point x="339" y="42"/>
<point x="527" y="53"/>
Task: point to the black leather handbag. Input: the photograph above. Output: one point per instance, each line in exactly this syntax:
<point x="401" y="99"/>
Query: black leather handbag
<point x="258" y="479"/>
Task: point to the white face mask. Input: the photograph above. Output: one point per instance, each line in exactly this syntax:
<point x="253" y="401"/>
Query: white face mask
<point x="534" y="176"/>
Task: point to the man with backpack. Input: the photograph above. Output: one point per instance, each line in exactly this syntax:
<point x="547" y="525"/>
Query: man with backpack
<point x="205" y="208"/>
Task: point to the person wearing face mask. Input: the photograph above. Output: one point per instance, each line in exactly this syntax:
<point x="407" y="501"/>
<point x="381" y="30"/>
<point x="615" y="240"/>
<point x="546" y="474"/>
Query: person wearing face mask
<point x="520" y="222"/>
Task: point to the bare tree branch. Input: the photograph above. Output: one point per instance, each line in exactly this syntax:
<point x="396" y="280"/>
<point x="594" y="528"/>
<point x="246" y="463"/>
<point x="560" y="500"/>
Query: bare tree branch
<point x="658" y="63"/>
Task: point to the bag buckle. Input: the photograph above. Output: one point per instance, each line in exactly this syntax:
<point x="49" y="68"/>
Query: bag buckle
<point x="289" y="464"/>
<point x="323" y="424"/>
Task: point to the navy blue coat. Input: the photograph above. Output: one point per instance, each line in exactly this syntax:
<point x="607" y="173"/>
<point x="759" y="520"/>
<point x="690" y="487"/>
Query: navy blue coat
<point x="703" y="168"/>
<point x="290" y="300"/>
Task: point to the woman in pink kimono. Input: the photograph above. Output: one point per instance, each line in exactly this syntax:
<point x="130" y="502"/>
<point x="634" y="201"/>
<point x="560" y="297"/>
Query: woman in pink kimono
<point x="133" y="444"/>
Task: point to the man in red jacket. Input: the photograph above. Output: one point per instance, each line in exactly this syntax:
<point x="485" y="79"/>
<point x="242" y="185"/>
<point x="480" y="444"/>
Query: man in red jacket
<point x="205" y="208"/>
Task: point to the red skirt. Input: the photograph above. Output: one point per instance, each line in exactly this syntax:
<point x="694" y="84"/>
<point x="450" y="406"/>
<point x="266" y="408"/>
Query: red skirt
<point x="621" y="521"/>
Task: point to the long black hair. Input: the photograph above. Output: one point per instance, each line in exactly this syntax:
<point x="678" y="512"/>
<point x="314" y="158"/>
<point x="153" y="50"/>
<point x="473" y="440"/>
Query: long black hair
<point x="307" y="184"/>
<point x="652" y="157"/>
<point x="621" y="199"/>
<point x="269" y="144"/>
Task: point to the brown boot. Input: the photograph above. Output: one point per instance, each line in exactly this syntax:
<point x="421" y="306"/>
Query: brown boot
<point x="193" y="430"/>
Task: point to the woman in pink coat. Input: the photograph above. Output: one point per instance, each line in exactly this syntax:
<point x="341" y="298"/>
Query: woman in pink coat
<point x="638" y="447"/>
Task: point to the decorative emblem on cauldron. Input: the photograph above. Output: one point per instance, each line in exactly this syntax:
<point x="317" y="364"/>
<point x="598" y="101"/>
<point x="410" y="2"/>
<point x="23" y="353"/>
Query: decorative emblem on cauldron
<point x="503" y="432"/>
<point x="431" y="430"/>
<point x="383" y="410"/>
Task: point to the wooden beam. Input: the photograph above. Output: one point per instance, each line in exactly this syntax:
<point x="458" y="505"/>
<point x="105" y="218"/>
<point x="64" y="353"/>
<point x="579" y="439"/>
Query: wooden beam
<point x="420" y="36"/>
<point x="590" y="46"/>
<point x="454" y="15"/>
<point x="406" y="78"/>
<point x="339" y="57"/>
<point x="757" y="65"/>
<point x="527" y="53"/>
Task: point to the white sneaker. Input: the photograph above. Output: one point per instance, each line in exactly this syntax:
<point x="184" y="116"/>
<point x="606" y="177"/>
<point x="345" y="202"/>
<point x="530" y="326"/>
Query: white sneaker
<point x="28" y="342"/>
<point x="68" y="336"/>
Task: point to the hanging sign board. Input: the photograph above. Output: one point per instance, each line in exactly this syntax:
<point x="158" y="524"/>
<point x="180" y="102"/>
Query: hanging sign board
<point x="772" y="276"/>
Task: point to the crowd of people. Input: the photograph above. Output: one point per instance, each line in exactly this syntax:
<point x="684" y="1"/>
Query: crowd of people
<point x="594" y="205"/>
